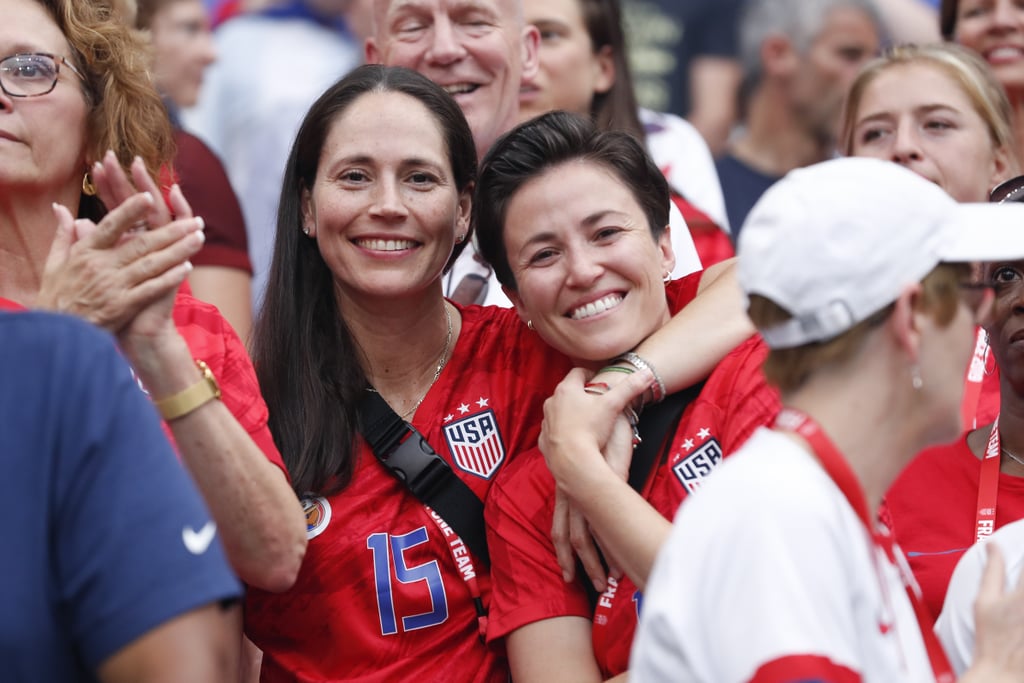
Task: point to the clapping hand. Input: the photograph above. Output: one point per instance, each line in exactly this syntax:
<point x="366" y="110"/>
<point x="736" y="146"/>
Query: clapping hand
<point x="133" y="260"/>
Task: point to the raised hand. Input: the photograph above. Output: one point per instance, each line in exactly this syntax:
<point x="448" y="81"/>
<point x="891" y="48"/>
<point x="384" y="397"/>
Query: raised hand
<point x="95" y="272"/>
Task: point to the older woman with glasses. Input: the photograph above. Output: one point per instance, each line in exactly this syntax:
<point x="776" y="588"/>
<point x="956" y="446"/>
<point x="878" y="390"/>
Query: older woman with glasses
<point x="77" y="107"/>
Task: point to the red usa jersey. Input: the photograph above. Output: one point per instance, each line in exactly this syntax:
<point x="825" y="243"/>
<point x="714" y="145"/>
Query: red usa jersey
<point x="528" y="584"/>
<point x="382" y="594"/>
<point x="212" y="340"/>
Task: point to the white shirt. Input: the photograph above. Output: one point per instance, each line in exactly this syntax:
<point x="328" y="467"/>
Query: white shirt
<point x="955" y="626"/>
<point x="769" y="567"/>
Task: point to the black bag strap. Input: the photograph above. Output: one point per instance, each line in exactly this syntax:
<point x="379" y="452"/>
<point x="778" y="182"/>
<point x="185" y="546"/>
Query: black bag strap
<point x="656" y="423"/>
<point x="410" y="457"/>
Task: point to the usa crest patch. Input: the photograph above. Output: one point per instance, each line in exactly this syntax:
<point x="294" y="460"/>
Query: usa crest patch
<point x="692" y="469"/>
<point x="475" y="444"/>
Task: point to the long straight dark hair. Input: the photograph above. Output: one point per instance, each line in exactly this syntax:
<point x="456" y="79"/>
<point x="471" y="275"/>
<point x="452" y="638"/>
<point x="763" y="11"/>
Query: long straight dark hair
<point x="308" y="364"/>
<point x="617" y="108"/>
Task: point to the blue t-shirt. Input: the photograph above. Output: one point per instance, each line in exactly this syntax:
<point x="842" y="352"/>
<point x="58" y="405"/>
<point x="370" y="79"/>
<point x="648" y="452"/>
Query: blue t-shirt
<point x="742" y="186"/>
<point x="104" y="535"/>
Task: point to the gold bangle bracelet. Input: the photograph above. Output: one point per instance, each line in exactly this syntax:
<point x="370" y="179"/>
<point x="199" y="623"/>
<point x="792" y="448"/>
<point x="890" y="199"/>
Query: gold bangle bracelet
<point x="188" y="400"/>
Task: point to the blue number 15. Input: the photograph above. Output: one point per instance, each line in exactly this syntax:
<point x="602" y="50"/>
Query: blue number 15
<point x="387" y="549"/>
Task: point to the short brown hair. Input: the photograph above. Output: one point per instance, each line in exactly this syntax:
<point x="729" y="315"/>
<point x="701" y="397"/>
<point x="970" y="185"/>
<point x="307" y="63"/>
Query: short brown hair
<point x="789" y="369"/>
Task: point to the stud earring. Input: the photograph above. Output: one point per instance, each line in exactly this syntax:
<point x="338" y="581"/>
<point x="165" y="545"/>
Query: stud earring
<point x="88" y="187"/>
<point x="460" y="238"/>
<point x="915" y="378"/>
<point x="529" y="324"/>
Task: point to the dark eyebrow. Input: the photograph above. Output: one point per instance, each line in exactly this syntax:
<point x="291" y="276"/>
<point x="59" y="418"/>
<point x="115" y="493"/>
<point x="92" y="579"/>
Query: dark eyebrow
<point x="589" y="221"/>
<point x="597" y="216"/>
<point x="369" y="160"/>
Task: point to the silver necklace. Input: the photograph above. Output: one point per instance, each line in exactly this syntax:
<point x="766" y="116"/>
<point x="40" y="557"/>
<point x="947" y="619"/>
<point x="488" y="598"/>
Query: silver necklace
<point x="1019" y="461"/>
<point x="441" y="362"/>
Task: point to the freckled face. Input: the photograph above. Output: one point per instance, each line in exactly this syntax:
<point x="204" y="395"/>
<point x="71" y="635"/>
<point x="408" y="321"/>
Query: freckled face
<point x="384" y="208"/>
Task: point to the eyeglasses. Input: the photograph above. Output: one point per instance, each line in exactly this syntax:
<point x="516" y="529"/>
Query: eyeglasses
<point x="32" y="74"/>
<point x="978" y="297"/>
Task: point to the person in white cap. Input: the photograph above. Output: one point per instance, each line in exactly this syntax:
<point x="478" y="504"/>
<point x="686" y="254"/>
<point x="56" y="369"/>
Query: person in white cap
<point x="858" y="276"/>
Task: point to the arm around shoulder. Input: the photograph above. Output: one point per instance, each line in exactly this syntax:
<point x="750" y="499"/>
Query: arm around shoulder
<point x="708" y="328"/>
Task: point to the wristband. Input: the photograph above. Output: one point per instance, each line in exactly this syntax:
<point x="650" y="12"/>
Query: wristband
<point x="658" y="388"/>
<point x="188" y="400"/>
<point x="617" y="368"/>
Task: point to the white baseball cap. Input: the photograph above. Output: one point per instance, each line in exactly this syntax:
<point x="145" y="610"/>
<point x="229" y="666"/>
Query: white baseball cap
<point x="835" y="242"/>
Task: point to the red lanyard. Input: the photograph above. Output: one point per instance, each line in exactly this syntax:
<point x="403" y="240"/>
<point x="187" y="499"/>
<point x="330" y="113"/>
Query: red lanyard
<point x="988" y="485"/>
<point x="974" y="380"/>
<point x="463" y="560"/>
<point x="838" y="469"/>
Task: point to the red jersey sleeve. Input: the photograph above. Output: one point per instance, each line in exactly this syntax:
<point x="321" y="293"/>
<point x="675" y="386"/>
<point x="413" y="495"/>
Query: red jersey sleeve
<point x="211" y="339"/>
<point x="526" y="582"/>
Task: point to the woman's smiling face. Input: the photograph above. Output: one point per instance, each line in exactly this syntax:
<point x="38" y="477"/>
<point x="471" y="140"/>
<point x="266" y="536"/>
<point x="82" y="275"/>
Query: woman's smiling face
<point x="588" y="271"/>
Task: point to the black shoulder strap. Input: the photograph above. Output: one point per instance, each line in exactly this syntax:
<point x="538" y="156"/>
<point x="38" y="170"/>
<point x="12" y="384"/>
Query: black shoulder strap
<point x="657" y="423"/>
<point x="409" y="456"/>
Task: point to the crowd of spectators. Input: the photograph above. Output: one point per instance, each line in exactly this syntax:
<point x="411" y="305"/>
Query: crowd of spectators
<point x="532" y="340"/>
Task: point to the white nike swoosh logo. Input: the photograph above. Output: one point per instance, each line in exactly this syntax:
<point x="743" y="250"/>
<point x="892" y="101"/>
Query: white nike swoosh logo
<point x="197" y="542"/>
